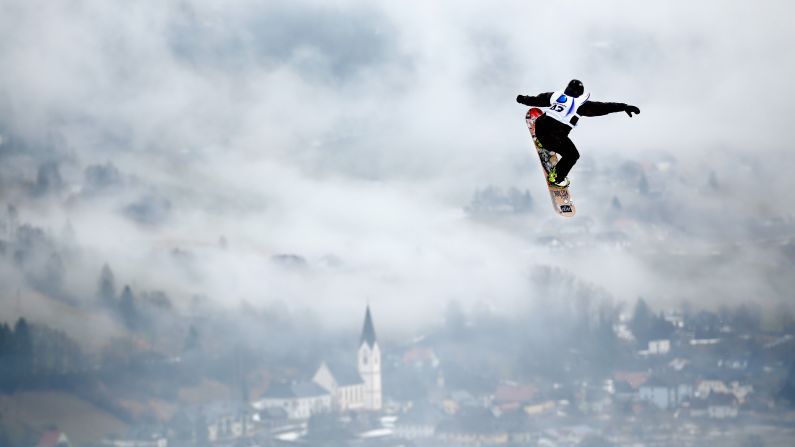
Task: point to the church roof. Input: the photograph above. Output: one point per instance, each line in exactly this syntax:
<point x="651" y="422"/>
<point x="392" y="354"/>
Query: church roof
<point x="308" y="389"/>
<point x="346" y="376"/>
<point x="294" y="390"/>
<point x="368" y="331"/>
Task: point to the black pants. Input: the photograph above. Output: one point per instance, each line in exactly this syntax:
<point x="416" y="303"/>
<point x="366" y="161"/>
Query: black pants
<point x="554" y="136"/>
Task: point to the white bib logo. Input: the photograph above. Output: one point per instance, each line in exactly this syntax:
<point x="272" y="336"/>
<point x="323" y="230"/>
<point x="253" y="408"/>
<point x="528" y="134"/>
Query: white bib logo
<point x="564" y="108"/>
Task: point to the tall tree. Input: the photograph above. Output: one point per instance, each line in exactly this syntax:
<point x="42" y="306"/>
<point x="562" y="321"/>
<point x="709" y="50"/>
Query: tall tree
<point x="601" y="342"/>
<point x="784" y="319"/>
<point x="6" y="353"/>
<point x="106" y="289"/>
<point x="643" y="184"/>
<point x="642" y="319"/>
<point x="23" y="349"/>
<point x="48" y="179"/>
<point x="192" y="339"/>
<point x="747" y="318"/>
<point x="127" y="308"/>
<point x="51" y="280"/>
<point x="5" y="439"/>
<point x="787" y="390"/>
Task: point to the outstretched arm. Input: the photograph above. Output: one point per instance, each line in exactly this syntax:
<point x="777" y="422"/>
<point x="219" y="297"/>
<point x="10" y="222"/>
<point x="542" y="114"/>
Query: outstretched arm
<point x="596" y="108"/>
<point x="542" y="100"/>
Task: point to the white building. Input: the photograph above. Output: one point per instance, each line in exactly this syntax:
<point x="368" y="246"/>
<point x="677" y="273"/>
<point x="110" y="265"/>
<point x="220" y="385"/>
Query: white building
<point x="659" y="347"/>
<point x="664" y="395"/>
<point x="715" y="405"/>
<point x="227" y="421"/>
<point x="358" y="389"/>
<point x="299" y="400"/>
<point x="706" y="387"/>
<point x="722" y="406"/>
<point x="340" y="388"/>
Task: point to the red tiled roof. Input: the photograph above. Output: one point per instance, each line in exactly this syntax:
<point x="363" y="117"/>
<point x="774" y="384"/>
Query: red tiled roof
<point x="514" y="393"/>
<point x="418" y="355"/>
<point x="52" y="438"/>
<point x="634" y="379"/>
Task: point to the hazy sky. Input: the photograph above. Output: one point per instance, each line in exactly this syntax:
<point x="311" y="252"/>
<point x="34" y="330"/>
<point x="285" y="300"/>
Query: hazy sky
<point x="351" y="133"/>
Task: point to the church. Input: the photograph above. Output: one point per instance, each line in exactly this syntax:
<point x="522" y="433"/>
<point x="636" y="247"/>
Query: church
<point x="349" y="387"/>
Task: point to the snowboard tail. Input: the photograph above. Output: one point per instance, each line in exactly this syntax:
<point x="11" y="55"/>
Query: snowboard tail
<point x="561" y="197"/>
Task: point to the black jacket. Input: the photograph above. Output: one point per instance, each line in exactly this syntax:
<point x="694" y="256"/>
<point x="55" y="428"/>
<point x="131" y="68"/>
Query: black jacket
<point x="589" y="108"/>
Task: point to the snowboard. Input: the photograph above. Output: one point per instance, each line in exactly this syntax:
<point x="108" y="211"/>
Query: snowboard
<point x="561" y="197"/>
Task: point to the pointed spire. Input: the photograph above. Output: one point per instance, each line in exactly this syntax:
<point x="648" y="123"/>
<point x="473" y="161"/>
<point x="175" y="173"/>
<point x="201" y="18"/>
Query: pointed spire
<point x="368" y="331"/>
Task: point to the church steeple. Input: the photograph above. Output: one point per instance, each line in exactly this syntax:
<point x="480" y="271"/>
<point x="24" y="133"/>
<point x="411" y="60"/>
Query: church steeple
<point x="368" y="331"/>
<point x="370" y="364"/>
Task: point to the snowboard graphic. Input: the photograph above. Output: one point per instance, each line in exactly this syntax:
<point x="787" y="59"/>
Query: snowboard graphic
<point x="561" y="198"/>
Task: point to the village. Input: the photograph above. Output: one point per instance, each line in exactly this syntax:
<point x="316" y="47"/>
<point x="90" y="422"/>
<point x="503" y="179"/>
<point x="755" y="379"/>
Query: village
<point x="685" y="389"/>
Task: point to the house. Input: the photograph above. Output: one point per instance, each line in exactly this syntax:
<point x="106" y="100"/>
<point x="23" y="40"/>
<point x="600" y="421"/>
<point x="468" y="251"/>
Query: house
<point x="420" y="358"/>
<point x="459" y="399"/>
<point x="634" y="378"/>
<point x="567" y="435"/>
<point x="272" y="418"/>
<point x="624" y="397"/>
<point x="697" y="408"/>
<point x="228" y="421"/>
<point x="659" y="347"/>
<point x="138" y="437"/>
<point x="722" y="406"/>
<point x="472" y="426"/>
<point x="664" y="394"/>
<point x="299" y="400"/>
<point x="539" y="406"/>
<point x="623" y="332"/>
<point x="734" y="363"/>
<point x="222" y="421"/>
<point x="594" y="400"/>
<point x="741" y="392"/>
<point x="678" y="364"/>
<point x="675" y="317"/>
<point x="514" y="392"/>
<point x="510" y="396"/>
<point x="419" y="422"/>
<point x="518" y="427"/>
<point x="705" y="387"/>
<point x="53" y="438"/>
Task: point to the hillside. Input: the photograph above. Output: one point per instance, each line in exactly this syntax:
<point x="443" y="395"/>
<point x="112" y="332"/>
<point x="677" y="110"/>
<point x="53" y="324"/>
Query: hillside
<point x="36" y="411"/>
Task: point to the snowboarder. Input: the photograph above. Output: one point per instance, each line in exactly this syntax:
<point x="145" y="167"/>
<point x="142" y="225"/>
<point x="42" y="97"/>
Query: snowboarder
<point x="563" y="111"/>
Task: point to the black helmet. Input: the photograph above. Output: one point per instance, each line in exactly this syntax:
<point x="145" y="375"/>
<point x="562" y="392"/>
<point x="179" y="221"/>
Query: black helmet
<point x="574" y="89"/>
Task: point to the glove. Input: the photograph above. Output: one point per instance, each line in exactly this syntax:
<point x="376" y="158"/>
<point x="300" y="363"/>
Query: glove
<point x="631" y="109"/>
<point x="520" y="99"/>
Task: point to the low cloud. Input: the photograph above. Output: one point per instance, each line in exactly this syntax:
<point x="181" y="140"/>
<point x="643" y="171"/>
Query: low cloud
<point x="359" y="131"/>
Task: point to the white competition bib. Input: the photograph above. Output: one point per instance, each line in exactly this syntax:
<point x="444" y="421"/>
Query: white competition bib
<point x="564" y="108"/>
